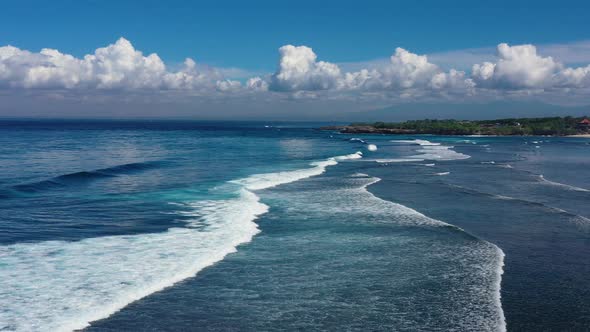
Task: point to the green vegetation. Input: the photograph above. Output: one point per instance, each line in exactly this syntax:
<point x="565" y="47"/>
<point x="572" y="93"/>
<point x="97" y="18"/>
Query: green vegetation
<point x="557" y="126"/>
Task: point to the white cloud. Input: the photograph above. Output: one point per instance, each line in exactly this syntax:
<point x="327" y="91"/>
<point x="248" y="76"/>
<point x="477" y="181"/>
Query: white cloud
<point x="228" y="85"/>
<point x="518" y="67"/>
<point x="257" y="84"/>
<point x="514" y="71"/>
<point x="521" y="68"/>
<point x="453" y="81"/>
<point x="405" y="71"/>
<point x="117" y="66"/>
<point x="299" y="71"/>
<point x="574" y="77"/>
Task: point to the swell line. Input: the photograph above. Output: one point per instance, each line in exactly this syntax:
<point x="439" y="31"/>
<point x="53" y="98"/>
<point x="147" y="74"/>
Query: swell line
<point x="84" y="176"/>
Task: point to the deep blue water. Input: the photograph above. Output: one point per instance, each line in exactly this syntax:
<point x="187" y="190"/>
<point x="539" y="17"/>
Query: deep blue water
<point x="129" y="225"/>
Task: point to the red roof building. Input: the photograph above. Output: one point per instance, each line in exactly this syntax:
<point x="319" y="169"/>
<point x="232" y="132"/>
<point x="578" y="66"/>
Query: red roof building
<point x="584" y="125"/>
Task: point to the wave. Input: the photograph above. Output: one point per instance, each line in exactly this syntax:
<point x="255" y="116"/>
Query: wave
<point x="63" y="286"/>
<point x="563" y="185"/>
<point x="442" y="173"/>
<point x="439" y="152"/>
<point x="268" y="180"/>
<point x="355" y="139"/>
<point x="421" y="142"/>
<point x="498" y="321"/>
<point x="579" y="220"/>
<point x="395" y="160"/>
<point x="428" y="151"/>
<point x="360" y="175"/>
<point x="541" y="179"/>
<point x="355" y="199"/>
<point x="75" y="283"/>
<point x="85" y="176"/>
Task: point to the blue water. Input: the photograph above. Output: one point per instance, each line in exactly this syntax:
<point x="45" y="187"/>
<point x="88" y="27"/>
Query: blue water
<point x="131" y="225"/>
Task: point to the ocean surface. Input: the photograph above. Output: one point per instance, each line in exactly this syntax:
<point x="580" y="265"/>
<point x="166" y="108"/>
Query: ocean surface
<point x="211" y="226"/>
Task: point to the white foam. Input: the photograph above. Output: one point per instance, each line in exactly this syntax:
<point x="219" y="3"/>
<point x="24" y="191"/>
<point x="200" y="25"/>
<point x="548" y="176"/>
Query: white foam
<point x="395" y="160"/>
<point x="360" y="175"/>
<point x="357" y="155"/>
<point x="429" y="165"/>
<point x="397" y="211"/>
<point x="439" y="153"/>
<point x="354" y="139"/>
<point x="498" y="289"/>
<point x="421" y="142"/>
<point x="372" y="147"/>
<point x="269" y="180"/>
<point x="563" y="185"/>
<point x="63" y="286"/>
<point x="442" y="173"/>
<point x="358" y="203"/>
<point x="340" y="201"/>
<point x="433" y="151"/>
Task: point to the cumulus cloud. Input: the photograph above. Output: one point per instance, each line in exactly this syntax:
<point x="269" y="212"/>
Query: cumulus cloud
<point x="574" y="77"/>
<point x="517" y="67"/>
<point x="117" y="66"/>
<point x="520" y="68"/>
<point x="514" y="71"/>
<point x="257" y="84"/>
<point x="406" y="71"/>
<point x="299" y="71"/>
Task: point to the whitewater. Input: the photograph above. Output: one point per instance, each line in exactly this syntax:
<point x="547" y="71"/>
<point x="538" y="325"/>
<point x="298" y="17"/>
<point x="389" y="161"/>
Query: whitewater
<point x="63" y="286"/>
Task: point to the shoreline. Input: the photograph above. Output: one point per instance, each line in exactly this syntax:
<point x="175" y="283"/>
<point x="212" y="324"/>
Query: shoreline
<point x="385" y="131"/>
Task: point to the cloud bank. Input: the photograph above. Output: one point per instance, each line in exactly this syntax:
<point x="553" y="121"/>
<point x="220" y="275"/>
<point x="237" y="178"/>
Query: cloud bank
<point x="116" y="66"/>
<point x="513" y="70"/>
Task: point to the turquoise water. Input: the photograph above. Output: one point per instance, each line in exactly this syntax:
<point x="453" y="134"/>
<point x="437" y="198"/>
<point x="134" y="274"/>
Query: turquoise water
<point x="266" y="226"/>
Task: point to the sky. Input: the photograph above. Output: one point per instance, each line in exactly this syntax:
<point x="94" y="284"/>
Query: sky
<point x="304" y="60"/>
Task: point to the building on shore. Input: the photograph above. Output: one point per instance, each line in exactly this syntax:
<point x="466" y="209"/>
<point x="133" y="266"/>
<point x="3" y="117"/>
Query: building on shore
<point x="584" y="125"/>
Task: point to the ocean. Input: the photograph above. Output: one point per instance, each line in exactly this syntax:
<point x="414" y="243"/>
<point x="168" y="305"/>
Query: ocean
<point x="246" y="226"/>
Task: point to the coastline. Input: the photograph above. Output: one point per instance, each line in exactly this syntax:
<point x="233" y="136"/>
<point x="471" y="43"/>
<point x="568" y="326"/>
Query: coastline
<point x="387" y="131"/>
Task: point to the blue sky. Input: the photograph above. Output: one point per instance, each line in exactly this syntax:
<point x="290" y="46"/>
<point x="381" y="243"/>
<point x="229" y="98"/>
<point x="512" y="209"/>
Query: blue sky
<point x="247" y="33"/>
<point x="241" y="39"/>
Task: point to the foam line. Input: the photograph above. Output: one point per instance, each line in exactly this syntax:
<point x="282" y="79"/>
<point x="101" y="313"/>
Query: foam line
<point x="269" y="180"/>
<point x="563" y="185"/>
<point x="500" y="323"/>
<point x="432" y="151"/>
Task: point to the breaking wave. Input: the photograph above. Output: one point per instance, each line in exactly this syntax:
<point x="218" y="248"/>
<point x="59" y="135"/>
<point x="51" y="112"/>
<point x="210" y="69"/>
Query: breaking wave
<point x="63" y="286"/>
